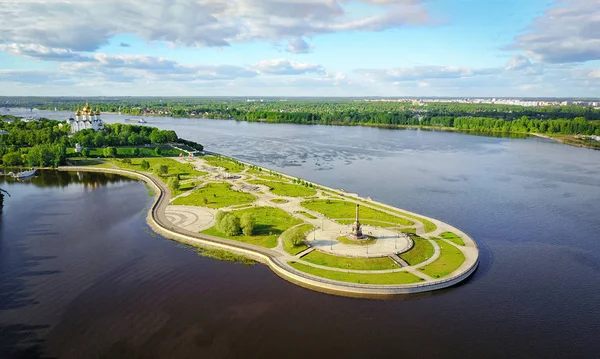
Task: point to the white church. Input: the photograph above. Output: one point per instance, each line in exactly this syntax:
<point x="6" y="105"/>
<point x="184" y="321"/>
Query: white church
<point x="85" y="119"/>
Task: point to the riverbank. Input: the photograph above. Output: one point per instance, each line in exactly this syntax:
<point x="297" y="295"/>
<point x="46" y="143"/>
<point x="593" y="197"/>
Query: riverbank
<point x="285" y="265"/>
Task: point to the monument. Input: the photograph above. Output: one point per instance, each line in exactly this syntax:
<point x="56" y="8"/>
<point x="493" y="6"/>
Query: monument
<point x="356" y="228"/>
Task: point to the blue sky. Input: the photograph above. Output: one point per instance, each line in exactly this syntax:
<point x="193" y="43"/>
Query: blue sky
<point x="300" y="48"/>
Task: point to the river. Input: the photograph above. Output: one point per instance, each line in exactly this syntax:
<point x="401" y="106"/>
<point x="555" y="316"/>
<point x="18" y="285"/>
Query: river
<point x="82" y="276"/>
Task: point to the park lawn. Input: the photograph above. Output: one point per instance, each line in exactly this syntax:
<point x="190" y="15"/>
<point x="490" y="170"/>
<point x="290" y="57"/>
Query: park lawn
<point x="329" y="260"/>
<point x="347" y="210"/>
<point x="307" y="215"/>
<point x="271" y="222"/>
<point x="291" y="249"/>
<point x="409" y="230"/>
<point x="217" y="195"/>
<point x="453" y="238"/>
<point x="287" y="189"/>
<point x="75" y="161"/>
<point x="279" y="200"/>
<point x="364" y="242"/>
<point x="228" y="165"/>
<point x="184" y="187"/>
<point x="362" y="278"/>
<point x="175" y="167"/>
<point x="449" y="260"/>
<point x="428" y="226"/>
<point x="419" y="253"/>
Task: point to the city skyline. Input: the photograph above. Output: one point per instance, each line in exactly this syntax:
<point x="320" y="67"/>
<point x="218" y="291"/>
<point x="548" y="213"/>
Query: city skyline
<point x="383" y="48"/>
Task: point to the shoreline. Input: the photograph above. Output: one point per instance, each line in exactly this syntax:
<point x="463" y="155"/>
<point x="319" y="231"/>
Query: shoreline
<point x="157" y="220"/>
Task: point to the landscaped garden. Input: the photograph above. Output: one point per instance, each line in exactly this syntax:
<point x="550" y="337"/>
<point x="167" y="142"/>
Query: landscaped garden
<point x="354" y="263"/>
<point x="346" y="210"/>
<point x="293" y="239"/>
<point x="223" y="162"/>
<point x="286" y="189"/>
<point x="421" y="251"/>
<point x="215" y="195"/>
<point x="449" y="260"/>
<point x="453" y="238"/>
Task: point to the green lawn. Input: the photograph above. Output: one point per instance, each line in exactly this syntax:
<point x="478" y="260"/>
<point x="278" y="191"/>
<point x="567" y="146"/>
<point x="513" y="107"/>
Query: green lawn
<point x="230" y="166"/>
<point x="184" y="187"/>
<point x="287" y="189"/>
<point x="419" y="253"/>
<point x="363" y="278"/>
<point x="75" y="161"/>
<point x="217" y="195"/>
<point x="330" y="260"/>
<point x="453" y="238"/>
<point x="175" y="167"/>
<point x="279" y="200"/>
<point x="428" y="225"/>
<point x="343" y="209"/>
<point x="165" y="151"/>
<point x="363" y="242"/>
<point x="270" y="224"/>
<point x="449" y="260"/>
<point x="293" y="250"/>
<point x="409" y="230"/>
<point x="307" y="215"/>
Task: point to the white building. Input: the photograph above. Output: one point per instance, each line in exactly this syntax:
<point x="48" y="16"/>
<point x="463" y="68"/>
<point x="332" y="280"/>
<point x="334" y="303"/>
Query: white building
<point x="85" y="119"/>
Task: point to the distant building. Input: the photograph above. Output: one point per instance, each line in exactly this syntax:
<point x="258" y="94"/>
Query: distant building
<point x="86" y="119"/>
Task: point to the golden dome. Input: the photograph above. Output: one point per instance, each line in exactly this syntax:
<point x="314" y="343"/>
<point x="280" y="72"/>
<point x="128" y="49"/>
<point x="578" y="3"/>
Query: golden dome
<point x="78" y="113"/>
<point x="97" y="112"/>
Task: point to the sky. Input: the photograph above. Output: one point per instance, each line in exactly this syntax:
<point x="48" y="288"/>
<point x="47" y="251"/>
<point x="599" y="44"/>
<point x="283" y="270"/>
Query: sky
<point x="389" y="48"/>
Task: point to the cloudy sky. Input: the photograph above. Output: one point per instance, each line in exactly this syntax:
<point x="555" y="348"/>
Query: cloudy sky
<point x="300" y="47"/>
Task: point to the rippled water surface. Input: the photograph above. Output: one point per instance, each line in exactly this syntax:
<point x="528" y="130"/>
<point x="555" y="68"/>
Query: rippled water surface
<point x="82" y="276"/>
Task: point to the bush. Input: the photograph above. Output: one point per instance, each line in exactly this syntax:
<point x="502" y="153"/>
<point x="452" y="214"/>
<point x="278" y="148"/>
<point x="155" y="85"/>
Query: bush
<point x="85" y="152"/>
<point x="110" y="152"/>
<point x="157" y="151"/>
<point x="145" y="165"/>
<point x="247" y="222"/>
<point x="12" y="159"/>
<point x="161" y="169"/>
<point x="294" y="237"/>
<point x="136" y="152"/>
<point x="173" y="183"/>
<point x="229" y="224"/>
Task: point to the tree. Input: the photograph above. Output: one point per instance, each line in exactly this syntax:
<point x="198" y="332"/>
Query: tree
<point x="161" y="169"/>
<point x="145" y="165"/>
<point x="157" y="151"/>
<point x="85" y="152"/>
<point x="174" y="183"/>
<point x="247" y="223"/>
<point x="136" y="152"/>
<point x="12" y="159"/>
<point x="110" y="152"/>
<point x="229" y="224"/>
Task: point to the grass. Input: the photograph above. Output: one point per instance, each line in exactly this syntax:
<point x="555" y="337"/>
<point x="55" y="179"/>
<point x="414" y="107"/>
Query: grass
<point x="362" y="278"/>
<point x="175" y="167"/>
<point x="287" y="189"/>
<point x="88" y="162"/>
<point x="224" y="256"/>
<point x="419" y="253"/>
<point x="449" y="260"/>
<point x="307" y="215"/>
<point x="363" y="242"/>
<point x="453" y="238"/>
<point x="229" y="165"/>
<point x="215" y="195"/>
<point x="291" y="249"/>
<point x="329" y="260"/>
<point x="428" y="225"/>
<point x="184" y="187"/>
<point x="271" y="222"/>
<point x="279" y="200"/>
<point x="409" y="230"/>
<point x="346" y="210"/>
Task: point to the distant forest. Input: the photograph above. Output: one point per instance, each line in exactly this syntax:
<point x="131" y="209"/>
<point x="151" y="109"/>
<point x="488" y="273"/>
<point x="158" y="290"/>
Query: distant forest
<point x="479" y="117"/>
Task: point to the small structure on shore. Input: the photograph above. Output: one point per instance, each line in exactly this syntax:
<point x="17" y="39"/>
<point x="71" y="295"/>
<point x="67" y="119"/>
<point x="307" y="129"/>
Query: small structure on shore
<point x="356" y="233"/>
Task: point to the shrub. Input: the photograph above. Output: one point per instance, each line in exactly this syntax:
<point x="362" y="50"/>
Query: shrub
<point x="161" y="169"/>
<point x="145" y="165"/>
<point x="247" y="222"/>
<point x="110" y="152"/>
<point x="294" y="237"/>
<point x="126" y="160"/>
<point x="85" y="152"/>
<point x="136" y="152"/>
<point x="173" y="183"/>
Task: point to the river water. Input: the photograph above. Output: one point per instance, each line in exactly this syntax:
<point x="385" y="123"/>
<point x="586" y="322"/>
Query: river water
<point x="81" y="275"/>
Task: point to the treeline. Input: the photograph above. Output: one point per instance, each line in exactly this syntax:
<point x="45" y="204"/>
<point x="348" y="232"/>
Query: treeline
<point x="43" y="143"/>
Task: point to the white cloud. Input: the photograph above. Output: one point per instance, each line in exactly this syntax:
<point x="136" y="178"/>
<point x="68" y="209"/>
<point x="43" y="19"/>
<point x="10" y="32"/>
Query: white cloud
<point x="85" y="25"/>
<point x="568" y="32"/>
<point x="287" y="67"/>
<point x="297" y="45"/>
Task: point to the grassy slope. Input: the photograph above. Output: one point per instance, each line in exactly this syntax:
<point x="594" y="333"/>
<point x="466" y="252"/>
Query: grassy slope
<point x="368" y="278"/>
<point x="217" y="195"/>
<point x="419" y="253"/>
<point x="297" y="249"/>
<point x="287" y="189"/>
<point x="449" y="260"/>
<point x="330" y="260"/>
<point x="452" y="237"/>
<point x="428" y="226"/>
<point x="230" y="166"/>
<point x="270" y="224"/>
<point x="343" y="209"/>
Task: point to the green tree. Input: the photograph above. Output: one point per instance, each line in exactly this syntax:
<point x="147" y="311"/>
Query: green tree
<point x="85" y="152"/>
<point x="12" y="159"/>
<point x="161" y="169"/>
<point x="110" y="152"/>
<point x="157" y="151"/>
<point x="247" y="223"/>
<point x="229" y="224"/>
<point x="136" y="152"/>
<point x="174" y="183"/>
<point x="145" y="165"/>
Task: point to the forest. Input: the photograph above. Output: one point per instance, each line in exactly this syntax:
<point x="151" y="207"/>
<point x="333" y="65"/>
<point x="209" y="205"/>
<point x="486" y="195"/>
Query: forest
<point x="481" y="117"/>
<point x="44" y="142"/>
